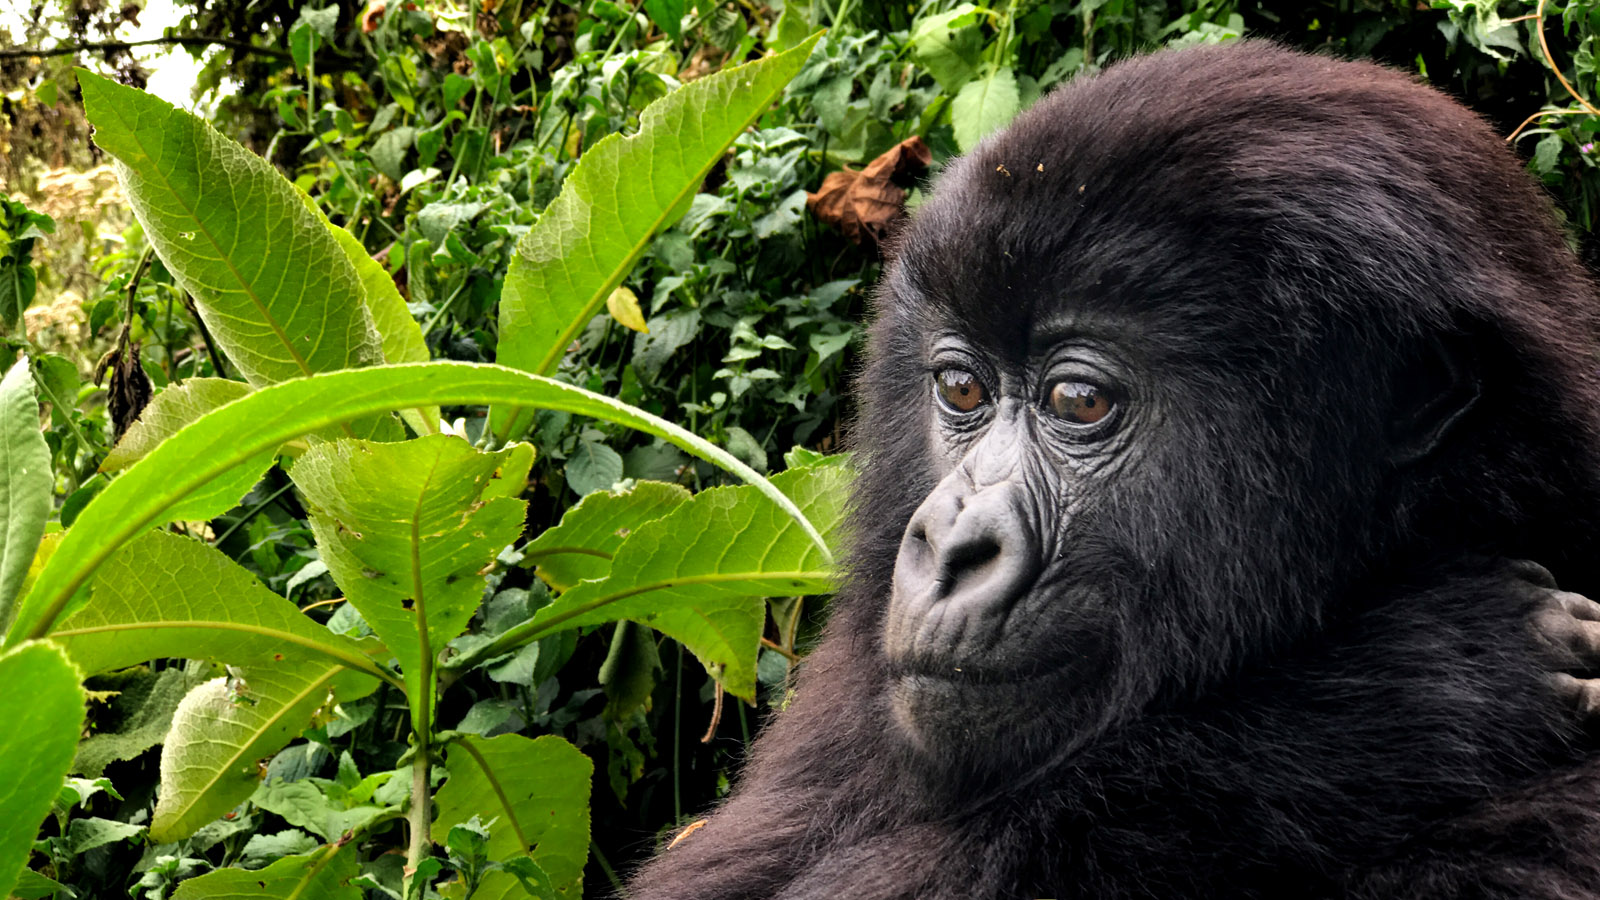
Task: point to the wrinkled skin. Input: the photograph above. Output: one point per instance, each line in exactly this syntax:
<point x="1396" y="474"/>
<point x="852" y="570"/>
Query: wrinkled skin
<point x="1211" y="412"/>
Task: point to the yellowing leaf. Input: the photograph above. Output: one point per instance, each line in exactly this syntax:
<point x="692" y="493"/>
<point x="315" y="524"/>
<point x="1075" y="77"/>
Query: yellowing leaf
<point x="623" y="305"/>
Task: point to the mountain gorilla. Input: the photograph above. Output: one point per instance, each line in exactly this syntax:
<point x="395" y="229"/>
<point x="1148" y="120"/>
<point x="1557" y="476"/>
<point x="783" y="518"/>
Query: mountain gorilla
<point x="1206" y="408"/>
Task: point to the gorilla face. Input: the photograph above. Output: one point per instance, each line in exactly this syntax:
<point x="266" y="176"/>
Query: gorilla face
<point x="1147" y="447"/>
<point x="997" y="597"/>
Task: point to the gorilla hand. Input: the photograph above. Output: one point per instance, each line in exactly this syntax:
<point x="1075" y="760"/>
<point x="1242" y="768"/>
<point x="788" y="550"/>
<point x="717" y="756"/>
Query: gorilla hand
<point x="1568" y="627"/>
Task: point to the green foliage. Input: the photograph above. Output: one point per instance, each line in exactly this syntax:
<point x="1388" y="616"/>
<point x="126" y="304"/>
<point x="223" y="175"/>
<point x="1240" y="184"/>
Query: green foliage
<point x="25" y="489"/>
<point x="43" y="710"/>
<point x="20" y="228"/>
<point x="381" y="612"/>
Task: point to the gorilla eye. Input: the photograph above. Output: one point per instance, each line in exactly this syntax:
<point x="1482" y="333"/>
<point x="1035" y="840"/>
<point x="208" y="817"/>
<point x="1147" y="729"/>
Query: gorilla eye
<point x="960" y="390"/>
<point x="1079" y="403"/>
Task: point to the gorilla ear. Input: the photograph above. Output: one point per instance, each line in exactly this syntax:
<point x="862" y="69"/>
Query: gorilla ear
<point x="1433" y="391"/>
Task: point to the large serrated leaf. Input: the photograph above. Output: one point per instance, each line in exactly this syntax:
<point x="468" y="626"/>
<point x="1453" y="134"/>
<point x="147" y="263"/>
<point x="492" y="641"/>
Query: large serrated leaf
<point x="404" y="530"/>
<point x="25" y="483"/>
<point x="223" y="727"/>
<point x="539" y="791"/>
<point x="165" y="595"/>
<point x="623" y="192"/>
<point x="697" y="574"/>
<point x="582" y="546"/>
<point x="403" y="340"/>
<point x="223" y="439"/>
<point x="42" y="708"/>
<point x="271" y="283"/>
<point x="323" y="875"/>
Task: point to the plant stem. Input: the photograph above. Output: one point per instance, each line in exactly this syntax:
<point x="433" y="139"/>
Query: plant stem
<point x="418" y="818"/>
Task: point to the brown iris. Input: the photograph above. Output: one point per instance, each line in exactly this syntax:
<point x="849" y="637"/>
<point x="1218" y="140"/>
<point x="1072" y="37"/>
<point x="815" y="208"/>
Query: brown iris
<point x="960" y="390"/>
<point x="1079" y="403"/>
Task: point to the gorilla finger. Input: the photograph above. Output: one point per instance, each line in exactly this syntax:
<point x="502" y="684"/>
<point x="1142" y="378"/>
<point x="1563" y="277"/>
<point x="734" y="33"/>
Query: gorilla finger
<point x="1578" y="606"/>
<point x="1530" y="571"/>
<point x="1573" y="642"/>
<point x="1582" y="693"/>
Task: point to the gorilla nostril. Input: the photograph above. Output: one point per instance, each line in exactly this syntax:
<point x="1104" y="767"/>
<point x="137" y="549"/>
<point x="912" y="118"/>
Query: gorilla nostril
<point x="972" y="554"/>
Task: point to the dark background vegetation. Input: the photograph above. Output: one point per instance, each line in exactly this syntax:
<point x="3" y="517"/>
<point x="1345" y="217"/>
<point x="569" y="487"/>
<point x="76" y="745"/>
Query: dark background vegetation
<point x="437" y="131"/>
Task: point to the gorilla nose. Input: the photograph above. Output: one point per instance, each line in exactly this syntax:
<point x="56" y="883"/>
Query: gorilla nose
<point x="966" y="559"/>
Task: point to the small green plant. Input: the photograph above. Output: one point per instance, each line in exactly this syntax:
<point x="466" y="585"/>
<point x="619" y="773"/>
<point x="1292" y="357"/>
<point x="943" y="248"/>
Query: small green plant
<point x="410" y="520"/>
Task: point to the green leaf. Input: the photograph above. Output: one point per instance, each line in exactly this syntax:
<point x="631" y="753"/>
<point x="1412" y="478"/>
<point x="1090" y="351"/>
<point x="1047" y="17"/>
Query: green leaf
<point x="620" y="195"/>
<point x="323" y="875"/>
<point x="89" y="833"/>
<point x="593" y="466"/>
<point x="58" y="381"/>
<point x="26" y="483"/>
<point x="33" y="886"/>
<point x="272" y="284"/>
<point x="402" y="336"/>
<point x="668" y="16"/>
<point x="696" y="573"/>
<point x="223" y="727"/>
<point x="265" y="419"/>
<point x="790" y="29"/>
<point x="42" y="708"/>
<point x="984" y="106"/>
<point x="165" y="595"/>
<point x="167" y="414"/>
<point x="582" y="546"/>
<point x="950" y="46"/>
<point x="329" y="809"/>
<point x="404" y="530"/>
<point x="315" y="26"/>
<point x="500" y="884"/>
<point x="18" y="286"/>
<point x="538" y="789"/>
<point x="142" y="714"/>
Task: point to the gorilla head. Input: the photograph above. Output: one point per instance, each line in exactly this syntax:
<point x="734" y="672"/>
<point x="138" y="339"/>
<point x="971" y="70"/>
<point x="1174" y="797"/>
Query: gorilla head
<point x="1204" y="408"/>
<point x="1185" y="356"/>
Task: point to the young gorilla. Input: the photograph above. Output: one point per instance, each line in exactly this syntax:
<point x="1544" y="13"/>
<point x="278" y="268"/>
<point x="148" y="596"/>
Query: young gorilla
<point x="1205" y="407"/>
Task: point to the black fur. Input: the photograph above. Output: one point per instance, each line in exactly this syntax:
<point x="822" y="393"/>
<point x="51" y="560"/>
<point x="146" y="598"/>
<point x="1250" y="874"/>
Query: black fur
<point x="1321" y="681"/>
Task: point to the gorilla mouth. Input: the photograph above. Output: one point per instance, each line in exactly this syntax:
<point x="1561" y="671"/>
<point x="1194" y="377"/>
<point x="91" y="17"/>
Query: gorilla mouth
<point x="974" y="673"/>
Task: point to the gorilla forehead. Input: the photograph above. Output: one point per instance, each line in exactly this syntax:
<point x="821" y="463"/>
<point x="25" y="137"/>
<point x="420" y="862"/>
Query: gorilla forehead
<point x="1232" y="174"/>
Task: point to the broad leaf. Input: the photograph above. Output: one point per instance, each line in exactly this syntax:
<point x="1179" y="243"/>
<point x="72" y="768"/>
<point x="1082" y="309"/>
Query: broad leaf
<point x="623" y="192"/>
<point x="225" y="726"/>
<point x="697" y="573"/>
<point x="538" y="789"/>
<point x="582" y="546"/>
<point x="26" y="483"/>
<point x="402" y="336"/>
<point x="142" y="710"/>
<point x="950" y="46"/>
<point x="271" y="282"/>
<point x="166" y="415"/>
<point x="42" y="708"/>
<point x="984" y="106"/>
<point x="210" y="447"/>
<point x="404" y="530"/>
<point x="165" y="595"/>
<point x="323" y="875"/>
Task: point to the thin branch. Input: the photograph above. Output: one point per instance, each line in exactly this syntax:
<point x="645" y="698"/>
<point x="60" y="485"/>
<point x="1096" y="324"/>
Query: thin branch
<point x="69" y="49"/>
<point x="1545" y="46"/>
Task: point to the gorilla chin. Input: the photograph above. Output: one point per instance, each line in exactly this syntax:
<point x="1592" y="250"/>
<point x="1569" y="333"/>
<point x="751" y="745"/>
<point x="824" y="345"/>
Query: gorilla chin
<point x="950" y="724"/>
